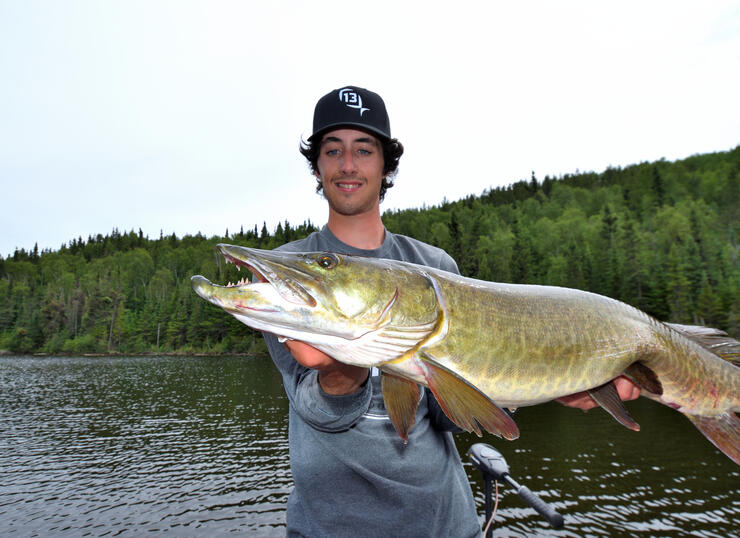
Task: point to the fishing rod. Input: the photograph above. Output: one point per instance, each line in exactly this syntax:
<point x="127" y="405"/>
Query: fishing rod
<point x="493" y="466"/>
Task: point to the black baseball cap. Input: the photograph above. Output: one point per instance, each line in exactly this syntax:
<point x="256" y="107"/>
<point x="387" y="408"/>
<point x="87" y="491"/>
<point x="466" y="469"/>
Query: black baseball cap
<point x="351" y="106"/>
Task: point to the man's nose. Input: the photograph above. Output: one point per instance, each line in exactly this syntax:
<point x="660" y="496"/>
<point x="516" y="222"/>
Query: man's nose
<point x="348" y="162"/>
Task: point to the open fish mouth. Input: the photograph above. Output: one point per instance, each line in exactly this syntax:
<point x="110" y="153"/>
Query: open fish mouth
<point x="267" y="272"/>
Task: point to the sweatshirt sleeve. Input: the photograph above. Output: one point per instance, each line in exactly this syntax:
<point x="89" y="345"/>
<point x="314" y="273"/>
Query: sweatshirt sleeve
<point x="322" y="411"/>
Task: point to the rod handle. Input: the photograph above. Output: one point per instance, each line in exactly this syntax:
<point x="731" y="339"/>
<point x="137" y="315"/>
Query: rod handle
<point x="542" y="508"/>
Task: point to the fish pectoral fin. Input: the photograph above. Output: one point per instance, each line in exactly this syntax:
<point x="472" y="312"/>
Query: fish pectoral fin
<point x="464" y="404"/>
<point x="401" y="398"/>
<point x="722" y="430"/>
<point x="644" y="377"/>
<point x="607" y="397"/>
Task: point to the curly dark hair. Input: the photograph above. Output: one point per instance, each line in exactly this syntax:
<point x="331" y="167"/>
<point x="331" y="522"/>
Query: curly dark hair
<point x="392" y="151"/>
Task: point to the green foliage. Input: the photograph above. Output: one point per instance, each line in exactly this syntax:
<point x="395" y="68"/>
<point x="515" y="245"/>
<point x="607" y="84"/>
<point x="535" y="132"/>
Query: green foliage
<point x="124" y="293"/>
<point x="664" y="237"/>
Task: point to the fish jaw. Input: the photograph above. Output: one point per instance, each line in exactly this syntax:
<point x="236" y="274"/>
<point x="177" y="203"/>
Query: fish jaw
<point x="322" y="282"/>
<point x="265" y="268"/>
<point x="262" y="307"/>
<point x="258" y="305"/>
<point x="357" y="312"/>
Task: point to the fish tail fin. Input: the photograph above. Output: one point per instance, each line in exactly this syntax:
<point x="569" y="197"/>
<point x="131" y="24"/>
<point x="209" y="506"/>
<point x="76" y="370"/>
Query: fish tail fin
<point x="723" y="431"/>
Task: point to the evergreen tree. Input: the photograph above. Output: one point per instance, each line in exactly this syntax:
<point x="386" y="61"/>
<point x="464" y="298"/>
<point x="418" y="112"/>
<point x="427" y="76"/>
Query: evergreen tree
<point x="607" y="282"/>
<point x="456" y="236"/>
<point x="522" y="256"/>
<point x="678" y="286"/>
<point x="658" y="187"/>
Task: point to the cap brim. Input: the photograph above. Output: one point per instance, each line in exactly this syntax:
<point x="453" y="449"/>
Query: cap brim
<point x="359" y="126"/>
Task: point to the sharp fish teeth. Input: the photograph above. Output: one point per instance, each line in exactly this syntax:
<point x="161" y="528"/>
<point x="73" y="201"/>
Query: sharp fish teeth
<point x="242" y="282"/>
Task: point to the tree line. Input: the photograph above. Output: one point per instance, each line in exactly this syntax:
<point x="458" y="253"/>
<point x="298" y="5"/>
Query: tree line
<point x="662" y="236"/>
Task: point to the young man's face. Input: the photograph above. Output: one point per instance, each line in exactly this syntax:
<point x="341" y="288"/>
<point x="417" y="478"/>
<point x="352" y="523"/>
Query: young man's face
<point x="350" y="167"/>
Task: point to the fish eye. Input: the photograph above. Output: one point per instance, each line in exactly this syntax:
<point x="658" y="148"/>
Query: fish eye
<point x="327" y="261"/>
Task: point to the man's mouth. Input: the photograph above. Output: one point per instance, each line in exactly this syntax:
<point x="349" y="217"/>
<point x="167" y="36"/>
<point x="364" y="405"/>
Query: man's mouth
<point x="348" y="185"/>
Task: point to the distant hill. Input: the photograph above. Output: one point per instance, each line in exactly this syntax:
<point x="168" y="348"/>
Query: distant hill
<point x="662" y="236"/>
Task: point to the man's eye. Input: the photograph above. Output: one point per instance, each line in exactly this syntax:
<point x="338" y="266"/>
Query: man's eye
<point x="332" y="152"/>
<point x="364" y="152"/>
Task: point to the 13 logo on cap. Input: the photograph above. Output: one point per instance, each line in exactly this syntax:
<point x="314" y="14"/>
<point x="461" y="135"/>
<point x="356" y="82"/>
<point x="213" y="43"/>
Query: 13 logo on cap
<point x="352" y="99"/>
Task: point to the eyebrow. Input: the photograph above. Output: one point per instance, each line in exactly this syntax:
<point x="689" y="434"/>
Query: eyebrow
<point x="361" y="140"/>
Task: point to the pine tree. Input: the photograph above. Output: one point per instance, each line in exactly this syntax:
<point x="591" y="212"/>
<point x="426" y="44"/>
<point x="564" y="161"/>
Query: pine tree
<point x="678" y="286"/>
<point x="607" y="266"/>
<point x="658" y="187"/>
<point x="456" y="234"/>
<point x="522" y="255"/>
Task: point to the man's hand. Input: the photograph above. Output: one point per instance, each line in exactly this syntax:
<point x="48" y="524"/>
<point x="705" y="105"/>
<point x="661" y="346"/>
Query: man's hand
<point x="627" y="391"/>
<point x="334" y="377"/>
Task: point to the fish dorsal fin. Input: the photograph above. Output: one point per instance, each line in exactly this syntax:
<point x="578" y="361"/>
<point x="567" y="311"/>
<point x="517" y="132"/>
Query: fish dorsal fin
<point x="715" y="340"/>
<point x="401" y="398"/>
<point x="644" y="377"/>
<point x="464" y="404"/>
<point x="607" y="397"/>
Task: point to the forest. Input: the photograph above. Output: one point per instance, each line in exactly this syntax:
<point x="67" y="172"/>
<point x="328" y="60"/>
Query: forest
<point x="661" y="236"/>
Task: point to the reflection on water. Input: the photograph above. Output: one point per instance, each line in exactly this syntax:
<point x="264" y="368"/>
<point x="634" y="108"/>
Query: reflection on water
<point x="193" y="446"/>
<point x="666" y="480"/>
<point x="198" y="446"/>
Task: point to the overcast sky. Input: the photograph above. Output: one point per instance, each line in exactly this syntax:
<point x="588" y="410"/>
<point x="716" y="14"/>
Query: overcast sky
<point x="185" y="116"/>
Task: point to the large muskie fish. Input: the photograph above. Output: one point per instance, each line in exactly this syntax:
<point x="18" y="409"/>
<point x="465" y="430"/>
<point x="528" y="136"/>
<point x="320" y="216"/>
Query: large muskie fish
<point x="480" y="346"/>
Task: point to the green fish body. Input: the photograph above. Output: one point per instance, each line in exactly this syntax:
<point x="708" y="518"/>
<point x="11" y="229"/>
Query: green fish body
<point x="480" y="346"/>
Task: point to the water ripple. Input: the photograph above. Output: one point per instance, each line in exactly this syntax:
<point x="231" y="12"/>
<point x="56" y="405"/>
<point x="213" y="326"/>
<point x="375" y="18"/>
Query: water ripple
<point x="198" y="446"/>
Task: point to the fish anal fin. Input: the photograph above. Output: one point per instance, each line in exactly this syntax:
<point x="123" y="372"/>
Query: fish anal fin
<point x="607" y="397"/>
<point x="401" y="398"/>
<point x="465" y="405"/>
<point x="644" y="377"/>
<point x="723" y="431"/>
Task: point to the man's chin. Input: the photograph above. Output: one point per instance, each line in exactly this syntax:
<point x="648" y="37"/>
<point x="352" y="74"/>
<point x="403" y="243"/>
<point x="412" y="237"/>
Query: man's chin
<point x="351" y="210"/>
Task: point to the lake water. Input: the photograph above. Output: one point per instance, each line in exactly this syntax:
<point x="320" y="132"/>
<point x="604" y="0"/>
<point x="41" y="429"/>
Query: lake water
<point x="194" y="446"/>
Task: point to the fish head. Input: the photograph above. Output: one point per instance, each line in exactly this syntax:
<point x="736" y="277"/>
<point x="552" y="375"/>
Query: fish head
<point x="326" y="299"/>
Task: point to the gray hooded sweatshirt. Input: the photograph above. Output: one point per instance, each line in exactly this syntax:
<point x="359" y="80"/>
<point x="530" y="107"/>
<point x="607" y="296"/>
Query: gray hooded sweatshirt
<point x="353" y="474"/>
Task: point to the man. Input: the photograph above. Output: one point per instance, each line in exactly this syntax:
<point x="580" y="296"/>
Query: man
<point x="353" y="474"/>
